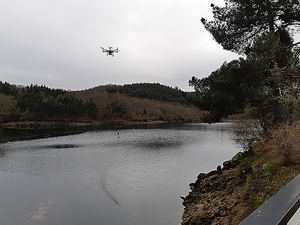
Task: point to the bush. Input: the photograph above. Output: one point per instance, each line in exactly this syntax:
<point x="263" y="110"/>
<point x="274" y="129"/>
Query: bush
<point x="46" y="102"/>
<point x="115" y="109"/>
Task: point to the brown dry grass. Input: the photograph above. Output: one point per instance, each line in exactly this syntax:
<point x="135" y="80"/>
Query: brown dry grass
<point x="140" y="109"/>
<point x="6" y="102"/>
<point x="283" y="144"/>
<point x="275" y="161"/>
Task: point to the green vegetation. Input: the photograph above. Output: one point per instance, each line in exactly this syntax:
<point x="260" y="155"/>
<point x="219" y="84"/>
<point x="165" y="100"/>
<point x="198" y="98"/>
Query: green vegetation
<point x="115" y="109"/>
<point x="151" y="91"/>
<point x="113" y="105"/>
<point x="42" y="103"/>
<point x="238" y="24"/>
<point x="6" y="106"/>
<point x="261" y="198"/>
<point x="272" y="165"/>
<point x="266" y="81"/>
<point x="8" y="89"/>
<point x="284" y="175"/>
<point x="268" y="177"/>
<point x="268" y="169"/>
<point x="256" y="163"/>
<point x="264" y="86"/>
<point x="6" y="103"/>
<point x="227" y="90"/>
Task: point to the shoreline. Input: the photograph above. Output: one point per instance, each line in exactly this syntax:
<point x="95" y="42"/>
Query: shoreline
<point x="223" y="196"/>
<point x="216" y="196"/>
<point x="231" y="193"/>
<point x="14" y="131"/>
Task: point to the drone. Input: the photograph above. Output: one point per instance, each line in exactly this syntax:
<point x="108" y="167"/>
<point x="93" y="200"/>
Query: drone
<point x="110" y="51"/>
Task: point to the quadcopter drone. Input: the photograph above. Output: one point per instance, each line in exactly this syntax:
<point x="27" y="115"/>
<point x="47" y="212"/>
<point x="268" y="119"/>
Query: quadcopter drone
<point x="110" y="51"/>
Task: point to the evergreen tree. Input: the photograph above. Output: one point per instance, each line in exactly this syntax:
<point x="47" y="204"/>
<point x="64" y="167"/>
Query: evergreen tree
<point x="238" y="24"/>
<point x="263" y="30"/>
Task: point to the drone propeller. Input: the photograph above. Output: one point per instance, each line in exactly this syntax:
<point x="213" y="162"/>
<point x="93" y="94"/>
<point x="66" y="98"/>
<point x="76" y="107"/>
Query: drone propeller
<point x="110" y="50"/>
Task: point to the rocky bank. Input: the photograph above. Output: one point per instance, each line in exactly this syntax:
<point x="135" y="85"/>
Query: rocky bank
<point x="229" y="194"/>
<point x="216" y="197"/>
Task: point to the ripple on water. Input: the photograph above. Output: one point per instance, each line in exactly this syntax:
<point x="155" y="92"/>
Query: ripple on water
<point x="60" y="146"/>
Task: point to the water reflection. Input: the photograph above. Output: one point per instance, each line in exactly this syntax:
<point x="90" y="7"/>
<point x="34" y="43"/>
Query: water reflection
<point x="101" y="177"/>
<point x="157" y="144"/>
<point x="2" y="151"/>
<point x="60" y="146"/>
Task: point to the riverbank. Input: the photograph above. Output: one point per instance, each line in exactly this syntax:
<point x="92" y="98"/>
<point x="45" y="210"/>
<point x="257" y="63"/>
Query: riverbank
<point x="25" y="130"/>
<point x="230" y="194"/>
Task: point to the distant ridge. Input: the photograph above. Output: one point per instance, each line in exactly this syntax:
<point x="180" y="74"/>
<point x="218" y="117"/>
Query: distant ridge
<point x="130" y="102"/>
<point x="153" y="91"/>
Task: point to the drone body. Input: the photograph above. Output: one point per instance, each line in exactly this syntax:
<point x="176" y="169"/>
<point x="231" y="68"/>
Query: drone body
<point x="110" y="51"/>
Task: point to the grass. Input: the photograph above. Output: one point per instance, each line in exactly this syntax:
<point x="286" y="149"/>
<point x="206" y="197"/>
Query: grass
<point x="232" y="195"/>
<point x="139" y="109"/>
<point x="117" y="106"/>
<point x="260" y="199"/>
<point x="276" y="162"/>
<point x="6" y="102"/>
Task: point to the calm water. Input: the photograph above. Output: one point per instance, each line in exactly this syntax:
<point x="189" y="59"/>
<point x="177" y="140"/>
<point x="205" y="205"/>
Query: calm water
<point x="135" y="177"/>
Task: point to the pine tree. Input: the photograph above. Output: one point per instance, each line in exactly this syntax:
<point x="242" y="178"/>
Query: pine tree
<point x="238" y="24"/>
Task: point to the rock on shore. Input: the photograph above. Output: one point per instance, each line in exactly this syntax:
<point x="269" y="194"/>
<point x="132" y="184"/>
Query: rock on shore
<point x="217" y="197"/>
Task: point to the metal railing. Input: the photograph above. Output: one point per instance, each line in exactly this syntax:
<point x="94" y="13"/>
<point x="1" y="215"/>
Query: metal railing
<point x="280" y="208"/>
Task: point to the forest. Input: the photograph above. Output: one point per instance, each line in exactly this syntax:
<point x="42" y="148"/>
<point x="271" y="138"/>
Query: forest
<point x="39" y="103"/>
<point x="136" y="102"/>
<point x="154" y="91"/>
<point x="262" y="89"/>
<point x="265" y="81"/>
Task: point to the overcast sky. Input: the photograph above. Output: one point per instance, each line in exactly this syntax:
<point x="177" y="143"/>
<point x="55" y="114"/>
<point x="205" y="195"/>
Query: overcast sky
<point x="57" y="42"/>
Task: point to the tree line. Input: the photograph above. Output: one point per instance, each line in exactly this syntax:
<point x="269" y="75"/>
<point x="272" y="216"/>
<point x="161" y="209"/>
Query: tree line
<point x="8" y="89"/>
<point x="40" y="102"/>
<point x="154" y="91"/>
<point x="266" y="80"/>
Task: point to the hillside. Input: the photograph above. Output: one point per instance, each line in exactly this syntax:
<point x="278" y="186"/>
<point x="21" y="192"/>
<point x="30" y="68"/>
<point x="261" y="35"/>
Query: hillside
<point x="151" y="91"/>
<point x="114" y="102"/>
<point x="96" y="104"/>
<point x="6" y="102"/>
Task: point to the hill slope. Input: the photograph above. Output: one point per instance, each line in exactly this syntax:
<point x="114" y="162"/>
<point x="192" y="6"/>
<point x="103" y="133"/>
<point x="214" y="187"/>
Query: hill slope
<point x="122" y="102"/>
<point x="153" y="91"/>
<point x="97" y="104"/>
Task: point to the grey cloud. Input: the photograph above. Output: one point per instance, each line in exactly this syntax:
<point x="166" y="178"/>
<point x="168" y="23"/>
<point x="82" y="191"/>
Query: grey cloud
<point x="57" y="42"/>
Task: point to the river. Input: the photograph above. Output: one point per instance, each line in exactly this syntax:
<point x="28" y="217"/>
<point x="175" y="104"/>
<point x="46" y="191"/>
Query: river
<point x="125" y="177"/>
